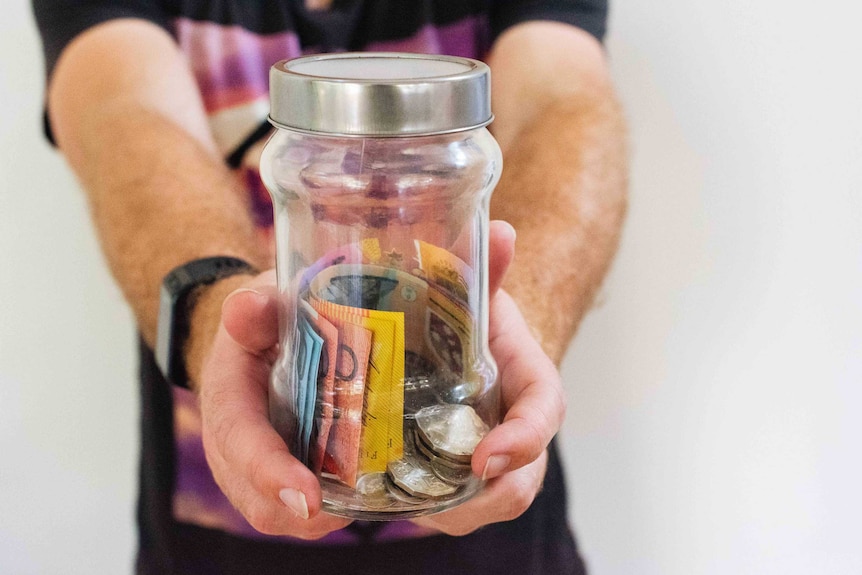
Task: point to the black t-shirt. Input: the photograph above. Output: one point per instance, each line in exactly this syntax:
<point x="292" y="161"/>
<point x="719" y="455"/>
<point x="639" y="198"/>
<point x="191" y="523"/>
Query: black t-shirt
<point x="185" y="523"/>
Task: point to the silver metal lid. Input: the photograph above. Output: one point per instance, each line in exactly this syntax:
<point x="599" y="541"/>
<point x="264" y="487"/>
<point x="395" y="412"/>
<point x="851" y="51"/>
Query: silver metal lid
<point x="380" y="94"/>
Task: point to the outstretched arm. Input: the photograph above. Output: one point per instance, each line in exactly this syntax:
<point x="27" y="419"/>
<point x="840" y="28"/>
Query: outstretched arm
<point x="128" y="117"/>
<point x="563" y="189"/>
<point x="564" y="179"/>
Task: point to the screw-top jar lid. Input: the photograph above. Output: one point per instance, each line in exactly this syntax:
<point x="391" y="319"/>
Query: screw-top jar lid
<point x="380" y="94"/>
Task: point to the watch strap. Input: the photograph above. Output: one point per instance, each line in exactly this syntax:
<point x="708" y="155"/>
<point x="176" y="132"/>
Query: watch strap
<point x="175" y="306"/>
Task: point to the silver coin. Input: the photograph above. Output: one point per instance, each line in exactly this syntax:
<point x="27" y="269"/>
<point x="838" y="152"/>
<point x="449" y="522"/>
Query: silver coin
<point x="425" y="450"/>
<point x="451" y="475"/>
<point x="446" y="469"/>
<point x="411" y="447"/>
<point x="401" y="495"/>
<point x="451" y="430"/>
<point x="417" y="479"/>
<point x="421" y="447"/>
<point x="372" y="488"/>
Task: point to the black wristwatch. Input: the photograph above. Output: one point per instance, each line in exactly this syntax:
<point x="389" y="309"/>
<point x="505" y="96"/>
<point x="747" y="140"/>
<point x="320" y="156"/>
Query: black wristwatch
<point x="179" y="289"/>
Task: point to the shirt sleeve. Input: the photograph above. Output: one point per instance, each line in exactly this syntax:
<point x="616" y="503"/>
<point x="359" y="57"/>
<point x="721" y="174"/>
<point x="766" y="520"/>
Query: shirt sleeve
<point x="60" y="21"/>
<point x="589" y="15"/>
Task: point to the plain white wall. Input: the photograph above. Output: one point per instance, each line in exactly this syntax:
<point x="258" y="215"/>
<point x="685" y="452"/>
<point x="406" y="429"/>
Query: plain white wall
<point x="68" y="398"/>
<point x="714" y="391"/>
<point x="714" y="425"/>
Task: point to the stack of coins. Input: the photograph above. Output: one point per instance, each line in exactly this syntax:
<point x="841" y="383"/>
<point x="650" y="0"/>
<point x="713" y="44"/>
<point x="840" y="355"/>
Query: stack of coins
<point x="437" y="454"/>
<point x="410" y="476"/>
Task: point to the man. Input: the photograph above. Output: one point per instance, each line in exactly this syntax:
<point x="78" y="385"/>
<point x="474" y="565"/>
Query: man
<point x="146" y="99"/>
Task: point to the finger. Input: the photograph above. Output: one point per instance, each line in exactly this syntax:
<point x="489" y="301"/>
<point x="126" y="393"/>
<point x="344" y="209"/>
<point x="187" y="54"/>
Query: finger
<point x="264" y="515"/>
<point x="501" y="250"/>
<point x="502" y="499"/>
<point x="532" y="394"/>
<point x="250" y="314"/>
<point x="236" y="426"/>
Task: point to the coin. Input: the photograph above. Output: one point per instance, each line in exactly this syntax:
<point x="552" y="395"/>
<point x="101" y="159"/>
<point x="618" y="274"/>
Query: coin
<point x="417" y="479"/>
<point x="451" y="430"/>
<point x="447" y="470"/>
<point x="422" y="447"/>
<point x="401" y="495"/>
<point x="451" y="475"/>
<point x="410" y="449"/>
<point x="372" y="488"/>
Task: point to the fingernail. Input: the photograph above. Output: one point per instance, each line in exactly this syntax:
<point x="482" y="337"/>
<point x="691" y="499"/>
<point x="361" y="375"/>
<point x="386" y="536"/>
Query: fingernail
<point x="295" y="501"/>
<point x="495" y="465"/>
<point x="251" y="291"/>
<point x="514" y="231"/>
<point x="246" y="290"/>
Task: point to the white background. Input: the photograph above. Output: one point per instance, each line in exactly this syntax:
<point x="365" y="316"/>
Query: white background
<point x="714" y="423"/>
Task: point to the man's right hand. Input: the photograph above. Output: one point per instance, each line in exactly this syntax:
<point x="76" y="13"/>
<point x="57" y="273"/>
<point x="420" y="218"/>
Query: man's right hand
<point x="276" y="493"/>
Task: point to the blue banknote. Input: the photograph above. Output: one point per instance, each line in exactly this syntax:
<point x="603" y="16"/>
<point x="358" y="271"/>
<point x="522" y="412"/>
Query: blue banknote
<point x="310" y="345"/>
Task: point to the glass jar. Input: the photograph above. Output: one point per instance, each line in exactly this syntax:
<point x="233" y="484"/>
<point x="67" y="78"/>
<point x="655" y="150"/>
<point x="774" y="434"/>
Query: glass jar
<point x="381" y="173"/>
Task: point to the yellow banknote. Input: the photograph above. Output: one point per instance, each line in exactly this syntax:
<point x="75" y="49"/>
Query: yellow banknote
<point x="449" y="332"/>
<point x="446" y="271"/>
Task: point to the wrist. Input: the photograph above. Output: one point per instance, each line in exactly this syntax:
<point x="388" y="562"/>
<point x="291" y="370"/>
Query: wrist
<point x="204" y="320"/>
<point x="183" y="288"/>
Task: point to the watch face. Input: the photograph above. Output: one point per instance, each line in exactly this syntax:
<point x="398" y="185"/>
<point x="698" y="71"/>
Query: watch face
<point x="164" y="330"/>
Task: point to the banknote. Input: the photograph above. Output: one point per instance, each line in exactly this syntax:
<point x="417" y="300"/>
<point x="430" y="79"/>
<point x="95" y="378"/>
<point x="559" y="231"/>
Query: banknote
<point x="446" y="271"/>
<point x="324" y="401"/>
<point x="352" y="286"/>
<point x="341" y="456"/>
<point x="406" y="294"/>
<point x="380" y="288"/>
<point x="308" y="364"/>
<point x="383" y="412"/>
<point x="449" y="332"/>
<point x="438" y="325"/>
<point x="300" y="366"/>
<point x="363" y="251"/>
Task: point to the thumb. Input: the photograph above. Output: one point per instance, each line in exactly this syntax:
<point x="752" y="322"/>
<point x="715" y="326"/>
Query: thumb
<point x="250" y="314"/>
<point x="501" y="250"/>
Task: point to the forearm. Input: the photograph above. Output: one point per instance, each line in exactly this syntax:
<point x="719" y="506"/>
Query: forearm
<point x="159" y="196"/>
<point x="564" y="178"/>
<point x="159" y="200"/>
<point x="563" y="189"/>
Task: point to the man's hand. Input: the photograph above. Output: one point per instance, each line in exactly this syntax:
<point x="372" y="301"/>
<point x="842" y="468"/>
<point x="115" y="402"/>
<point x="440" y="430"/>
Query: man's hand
<point x="249" y="460"/>
<point x="513" y="455"/>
